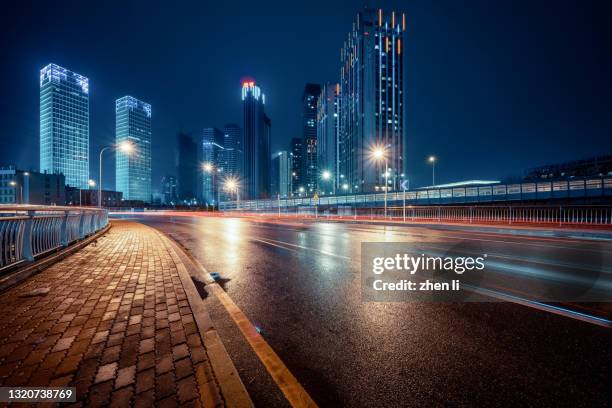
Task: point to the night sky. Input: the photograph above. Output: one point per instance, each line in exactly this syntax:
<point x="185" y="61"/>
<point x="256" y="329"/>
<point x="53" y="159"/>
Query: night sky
<point x="493" y="87"/>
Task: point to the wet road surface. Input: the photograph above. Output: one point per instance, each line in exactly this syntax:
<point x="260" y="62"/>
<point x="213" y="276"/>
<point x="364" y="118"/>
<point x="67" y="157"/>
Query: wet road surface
<point x="299" y="283"/>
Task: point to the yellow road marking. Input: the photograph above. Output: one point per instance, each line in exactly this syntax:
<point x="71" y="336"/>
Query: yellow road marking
<point x="289" y="385"/>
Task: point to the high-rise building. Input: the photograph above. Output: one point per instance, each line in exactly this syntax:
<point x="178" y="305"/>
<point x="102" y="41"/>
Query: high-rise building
<point x="297" y="153"/>
<point x="64" y="124"/>
<point x="212" y="157"/>
<point x="328" y="139"/>
<point x="169" y="190"/>
<point x="232" y="153"/>
<point x="257" y="132"/>
<point x="187" y="168"/>
<point x="133" y="168"/>
<point x="280" y="172"/>
<point x="310" y="98"/>
<point x="372" y="102"/>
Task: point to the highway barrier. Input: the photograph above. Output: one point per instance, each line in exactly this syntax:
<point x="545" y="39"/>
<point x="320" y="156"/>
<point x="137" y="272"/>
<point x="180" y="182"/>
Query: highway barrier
<point x="518" y="214"/>
<point x="28" y="232"/>
<point x="543" y="191"/>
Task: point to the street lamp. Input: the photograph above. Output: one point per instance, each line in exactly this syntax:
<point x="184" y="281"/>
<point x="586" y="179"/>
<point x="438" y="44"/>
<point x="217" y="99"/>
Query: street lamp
<point x="432" y="160"/>
<point x="210" y="168"/>
<point x="124" y="147"/>
<point x="380" y="153"/>
<point x="13" y="183"/>
<point x="231" y="185"/>
<point x="90" y="183"/>
<point x="326" y="176"/>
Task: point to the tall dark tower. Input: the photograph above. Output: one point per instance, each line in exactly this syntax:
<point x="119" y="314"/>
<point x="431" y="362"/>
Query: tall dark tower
<point x="311" y="95"/>
<point x="372" y="102"/>
<point x="297" y="166"/>
<point x="257" y="132"/>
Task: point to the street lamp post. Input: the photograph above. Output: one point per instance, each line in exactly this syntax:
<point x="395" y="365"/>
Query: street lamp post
<point x="231" y="185"/>
<point x="380" y="153"/>
<point x="210" y="168"/>
<point x="15" y="184"/>
<point x="126" y="147"/>
<point x="406" y="187"/>
<point x="432" y="160"/>
<point x="90" y="183"/>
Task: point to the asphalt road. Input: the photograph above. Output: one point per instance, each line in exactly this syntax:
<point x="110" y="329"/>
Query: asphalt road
<point x="299" y="283"/>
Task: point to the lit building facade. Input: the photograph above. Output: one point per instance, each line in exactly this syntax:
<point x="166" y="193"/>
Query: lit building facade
<point x="232" y="154"/>
<point x="282" y="166"/>
<point x="64" y="124"/>
<point x="372" y="103"/>
<point x="212" y="155"/>
<point x="133" y="169"/>
<point x="169" y="190"/>
<point x="257" y="133"/>
<point x="297" y="153"/>
<point x="310" y="98"/>
<point x="328" y="138"/>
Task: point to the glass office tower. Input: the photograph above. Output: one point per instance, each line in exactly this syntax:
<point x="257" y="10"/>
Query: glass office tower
<point x="310" y="173"/>
<point x="257" y="133"/>
<point x="64" y="124"/>
<point x="212" y="154"/>
<point x="328" y="127"/>
<point x="133" y="171"/>
<point x="372" y="102"/>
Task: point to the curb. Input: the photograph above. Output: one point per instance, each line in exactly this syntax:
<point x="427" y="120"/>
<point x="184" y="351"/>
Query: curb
<point x="14" y="278"/>
<point x="233" y="391"/>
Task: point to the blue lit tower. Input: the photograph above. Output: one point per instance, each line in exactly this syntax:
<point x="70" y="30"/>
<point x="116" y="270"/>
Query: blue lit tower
<point x="257" y="132"/>
<point x="213" y="158"/>
<point x="232" y="150"/>
<point x="372" y="100"/>
<point x="64" y="124"/>
<point x="328" y="138"/>
<point x="133" y="169"/>
<point x="310" y="174"/>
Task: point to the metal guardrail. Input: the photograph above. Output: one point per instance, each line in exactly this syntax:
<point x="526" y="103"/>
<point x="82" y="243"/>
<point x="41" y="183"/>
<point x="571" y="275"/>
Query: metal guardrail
<point x="28" y="231"/>
<point x="494" y="193"/>
<point x="539" y="214"/>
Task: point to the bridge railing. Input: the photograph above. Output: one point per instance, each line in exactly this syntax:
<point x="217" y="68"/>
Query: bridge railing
<point x="28" y="231"/>
<point x="508" y="214"/>
<point x="575" y="189"/>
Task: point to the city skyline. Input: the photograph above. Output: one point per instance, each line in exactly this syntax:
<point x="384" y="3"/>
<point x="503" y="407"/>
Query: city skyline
<point x="458" y="141"/>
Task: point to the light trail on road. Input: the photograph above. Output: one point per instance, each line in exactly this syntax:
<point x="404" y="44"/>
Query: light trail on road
<point x="295" y="282"/>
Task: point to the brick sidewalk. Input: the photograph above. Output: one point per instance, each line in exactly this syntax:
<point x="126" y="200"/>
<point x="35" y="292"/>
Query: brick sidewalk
<point x="115" y="323"/>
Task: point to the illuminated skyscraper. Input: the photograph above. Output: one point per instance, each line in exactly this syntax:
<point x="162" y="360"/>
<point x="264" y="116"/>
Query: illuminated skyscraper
<point x="372" y="101"/>
<point x="133" y="169"/>
<point x="310" y="97"/>
<point x="297" y="152"/>
<point x="328" y="138"/>
<point x="281" y="175"/>
<point x="64" y="124"/>
<point x="232" y="154"/>
<point x="257" y="133"/>
<point x="212" y="157"/>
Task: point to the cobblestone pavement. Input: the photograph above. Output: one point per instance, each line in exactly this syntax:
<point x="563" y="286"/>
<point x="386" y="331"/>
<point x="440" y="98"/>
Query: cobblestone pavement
<point x="115" y="323"/>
